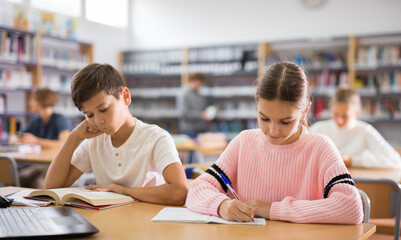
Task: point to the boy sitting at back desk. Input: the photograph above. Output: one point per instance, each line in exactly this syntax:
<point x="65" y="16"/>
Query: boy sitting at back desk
<point x="360" y="144"/>
<point x="126" y="155"/>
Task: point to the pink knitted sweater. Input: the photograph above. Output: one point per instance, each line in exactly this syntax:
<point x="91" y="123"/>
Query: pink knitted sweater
<point x="305" y="181"/>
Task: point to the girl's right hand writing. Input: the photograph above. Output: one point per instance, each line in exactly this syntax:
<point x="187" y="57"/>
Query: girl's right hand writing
<point x="85" y="130"/>
<point x="235" y="210"/>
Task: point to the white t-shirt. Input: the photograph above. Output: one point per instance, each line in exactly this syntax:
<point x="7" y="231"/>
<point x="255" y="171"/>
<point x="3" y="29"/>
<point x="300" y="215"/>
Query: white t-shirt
<point x="138" y="162"/>
<point x="362" y="142"/>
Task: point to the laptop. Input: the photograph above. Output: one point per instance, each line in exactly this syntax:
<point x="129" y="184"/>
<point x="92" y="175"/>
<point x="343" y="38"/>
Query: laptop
<point x="43" y="223"/>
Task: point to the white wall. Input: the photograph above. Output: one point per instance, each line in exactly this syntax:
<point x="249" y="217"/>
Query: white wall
<point x="180" y="23"/>
<point x="107" y="41"/>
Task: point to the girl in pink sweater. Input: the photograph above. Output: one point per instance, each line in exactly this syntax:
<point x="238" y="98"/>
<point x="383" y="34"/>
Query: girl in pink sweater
<point x="280" y="171"/>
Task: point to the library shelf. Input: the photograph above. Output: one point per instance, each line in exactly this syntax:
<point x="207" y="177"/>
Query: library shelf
<point x="29" y="60"/>
<point x="371" y="64"/>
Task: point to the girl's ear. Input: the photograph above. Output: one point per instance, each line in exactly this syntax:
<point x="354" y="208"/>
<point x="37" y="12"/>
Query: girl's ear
<point x="126" y="96"/>
<point x="306" y="110"/>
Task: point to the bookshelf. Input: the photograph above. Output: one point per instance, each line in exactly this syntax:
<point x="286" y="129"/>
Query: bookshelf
<point x="372" y="64"/>
<point x="154" y="79"/>
<point x="378" y="76"/>
<point x="31" y="59"/>
<point x="231" y="71"/>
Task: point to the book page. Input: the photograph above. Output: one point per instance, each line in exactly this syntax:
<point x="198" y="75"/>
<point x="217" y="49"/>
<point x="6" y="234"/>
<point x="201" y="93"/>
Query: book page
<point x="93" y="197"/>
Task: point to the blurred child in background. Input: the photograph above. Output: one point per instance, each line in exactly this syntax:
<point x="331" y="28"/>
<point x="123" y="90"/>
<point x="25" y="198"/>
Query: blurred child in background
<point x="360" y="144"/>
<point x="47" y="129"/>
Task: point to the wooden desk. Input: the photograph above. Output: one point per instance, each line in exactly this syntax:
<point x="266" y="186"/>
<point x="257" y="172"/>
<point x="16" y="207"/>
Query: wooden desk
<point x="386" y="173"/>
<point x="133" y="222"/>
<point x="45" y="156"/>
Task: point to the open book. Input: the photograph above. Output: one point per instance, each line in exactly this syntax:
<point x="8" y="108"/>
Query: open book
<point x="177" y="214"/>
<point x="81" y="197"/>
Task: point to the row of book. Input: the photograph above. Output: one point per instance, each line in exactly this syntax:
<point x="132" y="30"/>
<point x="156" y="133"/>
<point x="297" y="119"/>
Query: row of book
<point x="312" y="59"/>
<point x="139" y="83"/>
<point x="223" y="53"/>
<point x="326" y="81"/>
<point x="15" y="78"/>
<point x="17" y="47"/>
<point x="66" y="106"/>
<point x="155" y="109"/>
<point x="63" y="58"/>
<point x="142" y="68"/>
<point x="224" y="68"/>
<point x="59" y="82"/>
<point x="383" y="82"/>
<point x="9" y="125"/>
<point x="216" y="68"/>
<point x="376" y="56"/>
<point x="3" y="103"/>
<point x="165" y="57"/>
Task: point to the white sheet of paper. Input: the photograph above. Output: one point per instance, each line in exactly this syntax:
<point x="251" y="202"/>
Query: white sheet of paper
<point x="177" y="214"/>
<point x="19" y="200"/>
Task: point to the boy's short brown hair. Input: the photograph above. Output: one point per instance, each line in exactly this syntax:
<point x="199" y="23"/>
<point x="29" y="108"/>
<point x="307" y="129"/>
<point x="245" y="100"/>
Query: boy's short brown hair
<point x="93" y="79"/>
<point x="45" y="97"/>
<point x="197" y="76"/>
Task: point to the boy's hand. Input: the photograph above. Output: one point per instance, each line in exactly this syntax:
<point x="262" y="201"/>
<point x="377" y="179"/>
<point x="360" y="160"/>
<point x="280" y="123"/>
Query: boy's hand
<point x="235" y="210"/>
<point x="28" y="138"/>
<point x="262" y="209"/>
<point x="107" y="188"/>
<point x="347" y="160"/>
<point x="85" y="130"/>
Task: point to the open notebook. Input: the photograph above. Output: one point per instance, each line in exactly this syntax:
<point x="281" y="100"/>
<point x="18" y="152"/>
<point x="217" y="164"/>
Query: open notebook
<point x="178" y="214"/>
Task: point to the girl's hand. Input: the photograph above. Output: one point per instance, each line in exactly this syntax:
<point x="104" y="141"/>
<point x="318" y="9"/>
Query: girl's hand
<point x="107" y="188"/>
<point x="235" y="210"/>
<point x="262" y="209"/>
<point x="85" y="130"/>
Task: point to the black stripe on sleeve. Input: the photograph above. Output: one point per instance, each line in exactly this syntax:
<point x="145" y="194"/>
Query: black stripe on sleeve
<point x="339" y="177"/>
<point x="218" y="169"/>
<point x="329" y="187"/>
<point x="212" y="171"/>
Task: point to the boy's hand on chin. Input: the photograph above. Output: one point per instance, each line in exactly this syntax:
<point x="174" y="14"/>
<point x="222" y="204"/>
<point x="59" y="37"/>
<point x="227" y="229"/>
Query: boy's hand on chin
<point x="85" y="130"/>
<point x="107" y="188"/>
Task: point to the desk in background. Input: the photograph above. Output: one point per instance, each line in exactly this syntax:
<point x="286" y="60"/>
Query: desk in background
<point x="45" y="156"/>
<point x="376" y="173"/>
<point x="133" y="222"/>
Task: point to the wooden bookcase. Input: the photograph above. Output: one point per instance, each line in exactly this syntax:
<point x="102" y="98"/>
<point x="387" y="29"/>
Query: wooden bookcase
<point x="29" y="60"/>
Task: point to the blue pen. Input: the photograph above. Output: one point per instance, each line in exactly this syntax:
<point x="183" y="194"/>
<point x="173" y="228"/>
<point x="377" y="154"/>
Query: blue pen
<point x="228" y="184"/>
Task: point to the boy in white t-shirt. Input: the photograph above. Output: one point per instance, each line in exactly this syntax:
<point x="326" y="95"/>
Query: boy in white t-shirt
<point x="126" y="155"/>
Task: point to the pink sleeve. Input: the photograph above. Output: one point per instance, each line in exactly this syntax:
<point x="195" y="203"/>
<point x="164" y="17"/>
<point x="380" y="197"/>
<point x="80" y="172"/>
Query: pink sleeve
<point x="338" y="201"/>
<point x="206" y="193"/>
